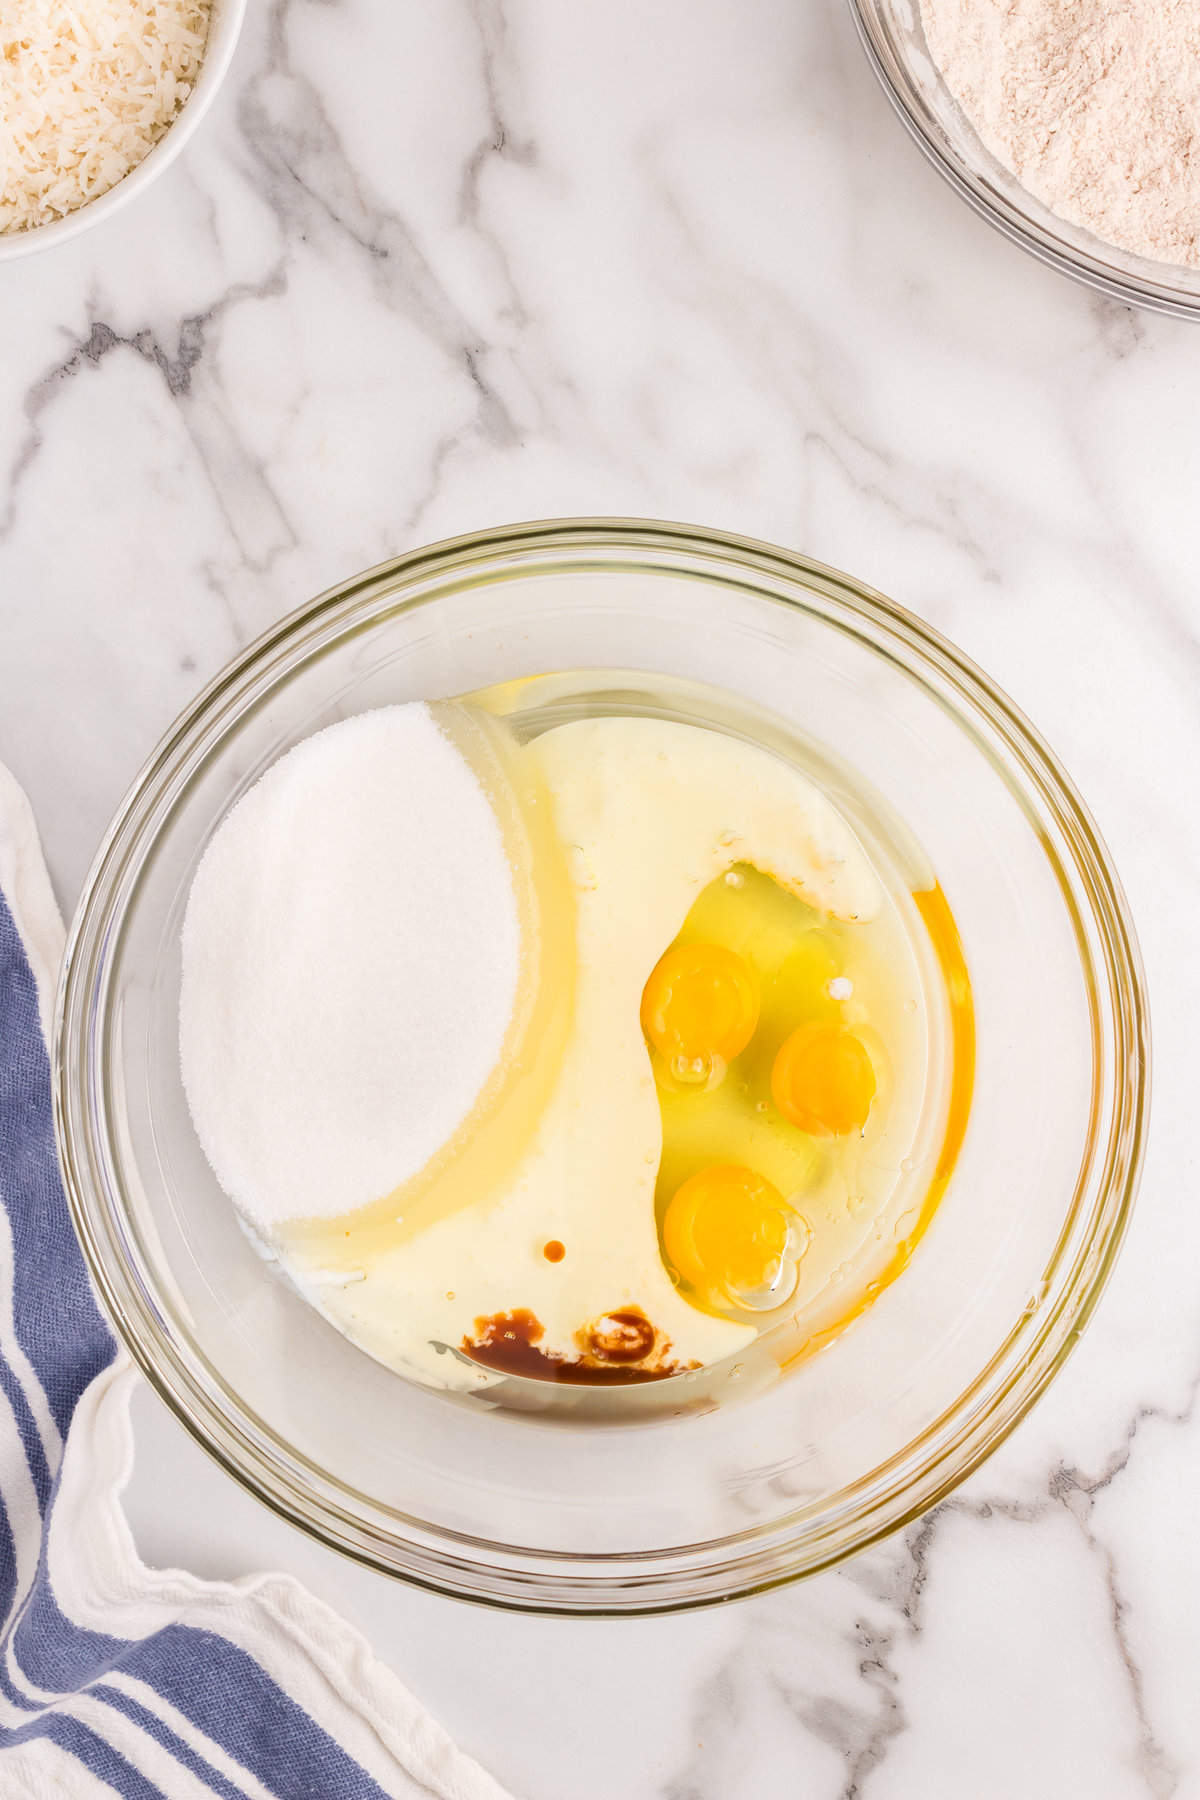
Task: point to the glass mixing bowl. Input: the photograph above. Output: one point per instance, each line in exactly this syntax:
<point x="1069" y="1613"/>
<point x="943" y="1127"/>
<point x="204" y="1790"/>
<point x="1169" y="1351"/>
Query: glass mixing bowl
<point x="894" y="38"/>
<point x="662" y="1513"/>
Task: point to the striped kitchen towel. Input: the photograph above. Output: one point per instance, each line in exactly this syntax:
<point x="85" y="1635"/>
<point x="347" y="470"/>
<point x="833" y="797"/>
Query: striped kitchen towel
<point x="115" y="1677"/>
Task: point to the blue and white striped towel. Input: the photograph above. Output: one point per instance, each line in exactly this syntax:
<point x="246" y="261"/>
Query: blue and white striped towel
<point x="115" y="1677"/>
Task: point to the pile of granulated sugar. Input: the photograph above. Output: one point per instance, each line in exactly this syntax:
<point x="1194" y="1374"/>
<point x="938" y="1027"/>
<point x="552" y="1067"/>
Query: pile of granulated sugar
<point x="351" y="952"/>
<point x="1094" y="105"/>
<point x="87" y="88"/>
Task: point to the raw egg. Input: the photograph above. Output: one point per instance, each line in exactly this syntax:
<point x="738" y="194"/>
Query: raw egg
<point x="730" y="1235"/>
<point x="700" y="1006"/>
<point x="823" y="1080"/>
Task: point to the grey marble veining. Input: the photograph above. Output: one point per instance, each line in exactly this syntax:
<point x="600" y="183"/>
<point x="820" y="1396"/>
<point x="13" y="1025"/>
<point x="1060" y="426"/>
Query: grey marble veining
<point x="426" y="269"/>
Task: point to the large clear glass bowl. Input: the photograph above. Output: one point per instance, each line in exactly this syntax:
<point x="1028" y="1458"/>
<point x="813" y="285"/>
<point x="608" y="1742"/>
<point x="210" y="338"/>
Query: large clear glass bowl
<point x="894" y="38"/>
<point x="633" y="1516"/>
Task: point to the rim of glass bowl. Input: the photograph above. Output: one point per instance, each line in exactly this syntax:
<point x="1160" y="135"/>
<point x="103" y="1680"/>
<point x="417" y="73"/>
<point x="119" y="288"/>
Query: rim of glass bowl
<point x="812" y="1537"/>
<point x="1158" y="292"/>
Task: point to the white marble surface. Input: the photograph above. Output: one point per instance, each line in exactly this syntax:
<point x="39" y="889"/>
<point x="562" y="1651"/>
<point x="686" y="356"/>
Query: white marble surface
<point x="429" y="267"/>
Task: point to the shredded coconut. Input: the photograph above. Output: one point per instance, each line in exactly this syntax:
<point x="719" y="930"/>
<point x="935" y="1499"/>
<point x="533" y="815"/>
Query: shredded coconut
<point x="351" y="952"/>
<point x="1094" y="105"/>
<point x="87" y="88"/>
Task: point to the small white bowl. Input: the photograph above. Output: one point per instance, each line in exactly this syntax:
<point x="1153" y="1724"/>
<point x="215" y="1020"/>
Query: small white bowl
<point x="224" y="25"/>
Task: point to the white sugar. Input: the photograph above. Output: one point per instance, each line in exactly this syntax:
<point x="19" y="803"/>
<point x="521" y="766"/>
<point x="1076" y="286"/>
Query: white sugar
<point x="351" y="954"/>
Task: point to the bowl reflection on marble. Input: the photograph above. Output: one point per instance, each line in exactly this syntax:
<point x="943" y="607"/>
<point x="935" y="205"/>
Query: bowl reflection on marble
<point x="894" y="38"/>
<point x="225" y="24"/>
<point x="671" y="1511"/>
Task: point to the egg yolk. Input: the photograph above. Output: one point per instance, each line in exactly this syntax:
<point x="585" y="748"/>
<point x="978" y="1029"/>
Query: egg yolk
<point x="823" y="1080"/>
<point x="729" y="1234"/>
<point x="700" y="1003"/>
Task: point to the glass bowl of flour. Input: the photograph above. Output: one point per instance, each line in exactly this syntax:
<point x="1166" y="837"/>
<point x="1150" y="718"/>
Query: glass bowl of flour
<point x="731" y="1480"/>
<point x="1074" y="130"/>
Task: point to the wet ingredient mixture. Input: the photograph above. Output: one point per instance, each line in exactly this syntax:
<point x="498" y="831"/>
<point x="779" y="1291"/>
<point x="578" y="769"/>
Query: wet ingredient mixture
<point x="589" y="1056"/>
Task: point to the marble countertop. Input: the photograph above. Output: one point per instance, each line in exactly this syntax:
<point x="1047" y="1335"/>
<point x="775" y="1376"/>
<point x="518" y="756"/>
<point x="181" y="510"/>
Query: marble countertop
<point x="430" y="268"/>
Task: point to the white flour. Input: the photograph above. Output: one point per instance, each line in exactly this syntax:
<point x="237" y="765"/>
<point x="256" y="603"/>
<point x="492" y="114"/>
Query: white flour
<point x="1094" y="105"/>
